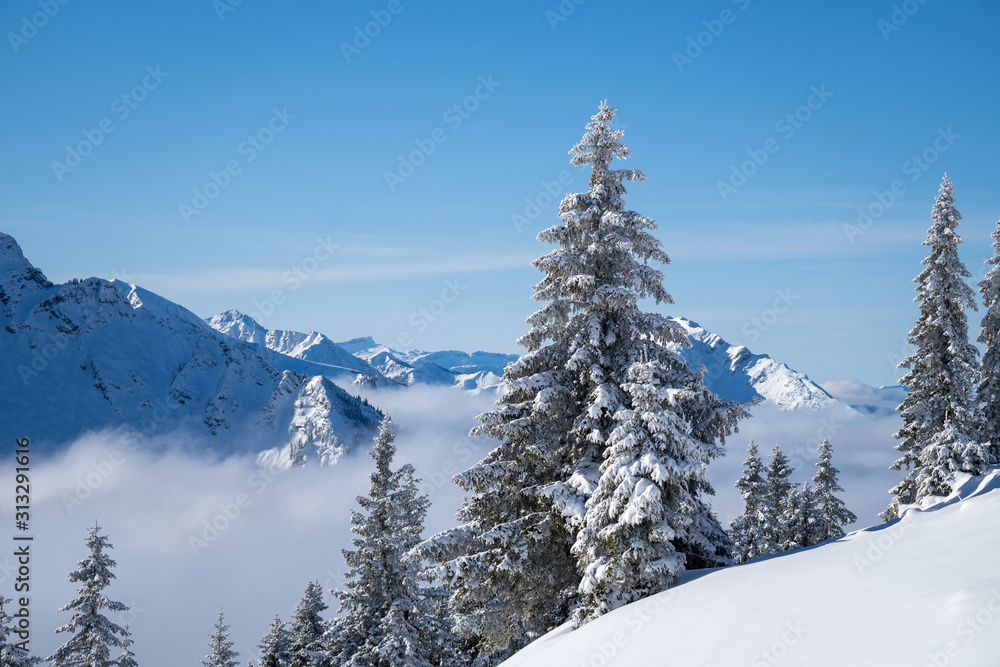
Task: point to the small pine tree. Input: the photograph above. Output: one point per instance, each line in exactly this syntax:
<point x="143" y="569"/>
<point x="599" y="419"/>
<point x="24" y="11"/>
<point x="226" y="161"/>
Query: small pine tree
<point x="800" y="519"/>
<point x="653" y="473"/>
<point x="779" y="488"/>
<point x="388" y="617"/>
<point x="307" y="640"/>
<point x="127" y="658"/>
<point x="753" y="532"/>
<point x="988" y="389"/>
<point x="95" y="635"/>
<point x="940" y="410"/>
<point x="222" y="654"/>
<point x="832" y="515"/>
<point x="275" y="646"/>
<point x="10" y="654"/>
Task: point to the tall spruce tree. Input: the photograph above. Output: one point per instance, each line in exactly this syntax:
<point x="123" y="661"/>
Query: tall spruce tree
<point x="832" y="514"/>
<point x="94" y="634"/>
<point x="940" y="413"/>
<point x="222" y="653"/>
<point x="388" y="617"/>
<point x="988" y="389"/>
<point x="510" y="563"/>
<point x="12" y="652"/>
<point x="753" y="533"/>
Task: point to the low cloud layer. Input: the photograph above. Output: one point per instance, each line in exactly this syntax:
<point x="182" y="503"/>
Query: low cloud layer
<point x="193" y="531"/>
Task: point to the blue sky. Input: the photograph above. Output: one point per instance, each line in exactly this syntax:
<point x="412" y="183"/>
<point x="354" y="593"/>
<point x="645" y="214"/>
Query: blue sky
<point x="833" y="101"/>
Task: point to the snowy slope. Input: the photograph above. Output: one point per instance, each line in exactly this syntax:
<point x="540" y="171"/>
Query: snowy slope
<point x="97" y="354"/>
<point x="734" y="372"/>
<point x="923" y="590"/>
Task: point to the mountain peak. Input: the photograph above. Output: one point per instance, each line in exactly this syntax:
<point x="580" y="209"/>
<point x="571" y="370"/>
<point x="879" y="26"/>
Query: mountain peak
<point x="11" y="257"/>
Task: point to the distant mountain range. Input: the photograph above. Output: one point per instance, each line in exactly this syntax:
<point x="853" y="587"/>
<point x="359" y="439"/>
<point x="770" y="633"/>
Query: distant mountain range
<point x="97" y="354"/>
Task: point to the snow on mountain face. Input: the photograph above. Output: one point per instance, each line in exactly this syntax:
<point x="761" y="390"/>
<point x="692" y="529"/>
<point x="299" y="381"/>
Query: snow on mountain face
<point x="734" y="373"/>
<point x="921" y="590"/>
<point x="313" y="347"/>
<point x="98" y="354"/>
<point x="391" y="366"/>
<point x="319" y="412"/>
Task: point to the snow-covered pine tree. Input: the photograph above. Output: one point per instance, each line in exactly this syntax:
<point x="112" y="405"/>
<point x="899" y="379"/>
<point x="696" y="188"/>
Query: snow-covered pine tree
<point x="777" y="477"/>
<point x="509" y="564"/>
<point x="11" y="655"/>
<point x="307" y="632"/>
<point x="387" y="617"/>
<point x="800" y="518"/>
<point x="640" y="517"/>
<point x="940" y="413"/>
<point x="95" y="635"/>
<point x="127" y="657"/>
<point x="832" y="515"/>
<point x="275" y="646"/>
<point x="222" y="653"/>
<point x="753" y="532"/>
<point x="988" y="389"/>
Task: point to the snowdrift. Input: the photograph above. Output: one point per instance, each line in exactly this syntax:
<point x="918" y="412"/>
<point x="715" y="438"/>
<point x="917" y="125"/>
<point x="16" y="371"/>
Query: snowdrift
<point x="923" y="590"/>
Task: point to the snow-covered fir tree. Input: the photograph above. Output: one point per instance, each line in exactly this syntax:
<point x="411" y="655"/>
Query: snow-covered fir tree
<point x="222" y="653"/>
<point x="127" y="657"/>
<point x="388" y="618"/>
<point x="799" y="518"/>
<point x="307" y="631"/>
<point x="94" y="634"/>
<point x="832" y="514"/>
<point x="510" y="563"/>
<point x="275" y="646"/>
<point x="988" y="389"/>
<point x="11" y="653"/>
<point x="639" y="522"/>
<point x="753" y="532"/>
<point x="940" y="412"/>
<point x="777" y="477"/>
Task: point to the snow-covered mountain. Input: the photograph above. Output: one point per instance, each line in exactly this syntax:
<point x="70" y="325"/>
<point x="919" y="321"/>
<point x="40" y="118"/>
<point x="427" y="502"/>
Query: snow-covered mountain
<point x="921" y="590"/>
<point x="313" y="347"/>
<point x="735" y="373"/>
<point x="97" y="354"/>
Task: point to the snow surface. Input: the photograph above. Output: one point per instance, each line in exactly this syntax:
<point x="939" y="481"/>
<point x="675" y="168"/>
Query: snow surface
<point x="921" y="590"/>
